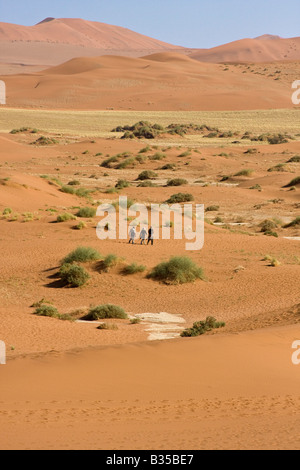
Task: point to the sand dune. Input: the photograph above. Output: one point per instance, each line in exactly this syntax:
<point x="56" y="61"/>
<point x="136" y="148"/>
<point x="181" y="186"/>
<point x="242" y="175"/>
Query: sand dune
<point x="164" y="81"/>
<point x="263" y="49"/>
<point x="54" y="41"/>
<point x="232" y="392"/>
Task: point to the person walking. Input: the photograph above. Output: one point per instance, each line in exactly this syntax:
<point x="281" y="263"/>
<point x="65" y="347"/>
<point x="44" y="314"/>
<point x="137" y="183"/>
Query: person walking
<point x="132" y="235"/>
<point x="143" y="236"/>
<point x="150" y="236"/>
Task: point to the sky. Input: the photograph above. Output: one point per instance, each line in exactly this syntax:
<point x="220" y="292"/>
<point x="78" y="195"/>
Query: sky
<point x="189" y="23"/>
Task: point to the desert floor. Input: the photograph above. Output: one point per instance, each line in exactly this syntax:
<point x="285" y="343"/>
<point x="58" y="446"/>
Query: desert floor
<point x="68" y="384"/>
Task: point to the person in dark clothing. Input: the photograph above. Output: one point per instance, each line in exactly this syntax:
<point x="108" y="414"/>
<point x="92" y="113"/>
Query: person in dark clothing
<point x="150" y="236"/>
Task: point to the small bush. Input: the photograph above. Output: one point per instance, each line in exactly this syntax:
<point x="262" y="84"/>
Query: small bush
<point x="80" y="226"/>
<point x="168" y="166"/>
<point x="201" y="327"/>
<point x="73" y="275"/>
<point x="122" y="184"/>
<point x="74" y="183"/>
<point x="244" y="173"/>
<point x="7" y="211"/>
<point x="105" y="311"/>
<point x="82" y="255"/>
<point x="177" y="182"/>
<point x="212" y="208"/>
<point x="268" y="225"/>
<point x="133" y="269"/>
<point x="86" y="212"/>
<point x="47" y="311"/>
<point x="107" y="326"/>
<point x="178" y="270"/>
<point x="180" y="198"/>
<point x="135" y="321"/>
<point x="295" y="159"/>
<point x="146" y="184"/>
<point x="294" y="223"/>
<point x="68" y="189"/>
<point x="294" y="182"/>
<point x="147" y="175"/>
<point x="65" y="217"/>
<point x="109" y="261"/>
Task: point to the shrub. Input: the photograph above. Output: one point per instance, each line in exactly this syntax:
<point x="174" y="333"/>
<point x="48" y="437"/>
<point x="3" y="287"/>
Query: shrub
<point x="126" y="163"/>
<point x="80" y="226"/>
<point x="82" y="255"/>
<point x="107" y="326"/>
<point x="281" y="167"/>
<point x="294" y="223"/>
<point x="268" y="225"/>
<point x="74" y="183"/>
<point x="121" y="184"/>
<point x="145" y="149"/>
<point x="177" y="182"/>
<point x="68" y="190"/>
<point x="105" y="311"/>
<point x="133" y="269"/>
<point x="146" y="184"/>
<point x="295" y="159"/>
<point x="157" y="156"/>
<point x="65" y="217"/>
<point x="178" y="270"/>
<point x="73" y="275"/>
<point x="244" y="173"/>
<point x="185" y="154"/>
<point x="179" y="198"/>
<point x="269" y="233"/>
<point x="201" y="327"/>
<point x="86" y="212"/>
<point x="7" y="211"/>
<point x="212" y="208"/>
<point x="169" y="166"/>
<point x="147" y="175"/>
<point x="294" y="182"/>
<point x="47" y="311"/>
<point x="109" y="261"/>
<point x="135" y="321"/>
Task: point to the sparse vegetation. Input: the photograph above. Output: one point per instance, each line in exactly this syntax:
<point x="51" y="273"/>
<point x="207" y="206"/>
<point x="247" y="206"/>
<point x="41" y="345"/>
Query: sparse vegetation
<point x="102" y="312"/>
<point x="180" y="198"/>
<point x="178" y="270"/>
<point x="73" y="275"/>
<point x="133" y="269"/>
<point x="65" y="217"/>
<point x="147" y="175"/>
<point x="201" y="327"/>
<point x="177" y="182"/>
<point x="86" y="212"/>
<point x="294" y="223"/>
<point x="294" y="182"/>
<point x="82" y="255"/>
<point x="246" y="173"/>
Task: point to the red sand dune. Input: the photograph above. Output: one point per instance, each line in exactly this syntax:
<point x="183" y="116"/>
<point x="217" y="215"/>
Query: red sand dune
<point x="265" y="48"/>
<point x="164" y="81"/>
<point x="54" y="41"/>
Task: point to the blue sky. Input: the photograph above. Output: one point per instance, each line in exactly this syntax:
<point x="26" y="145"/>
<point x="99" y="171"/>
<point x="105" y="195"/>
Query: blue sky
<point x="190" y="23"/>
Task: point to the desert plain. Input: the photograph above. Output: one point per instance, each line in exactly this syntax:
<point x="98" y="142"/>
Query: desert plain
<point x="236" y="149"/>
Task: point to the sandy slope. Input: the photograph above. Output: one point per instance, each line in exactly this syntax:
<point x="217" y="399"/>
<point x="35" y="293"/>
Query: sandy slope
<point x="164" y="81"/>
<point x="55" y="41"/>
<point x="69" y="385"/>
<point x="262" y="49"/>
<point x="230" y="392"/>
